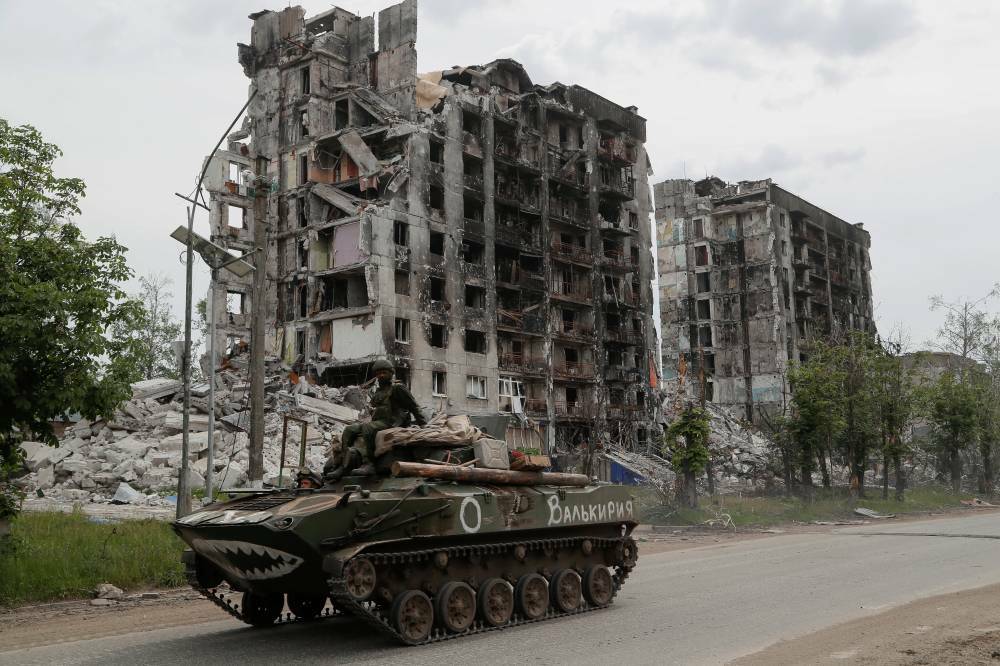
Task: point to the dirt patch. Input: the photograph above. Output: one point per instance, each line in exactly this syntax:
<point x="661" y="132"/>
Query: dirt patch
<point x="951" y="629"/>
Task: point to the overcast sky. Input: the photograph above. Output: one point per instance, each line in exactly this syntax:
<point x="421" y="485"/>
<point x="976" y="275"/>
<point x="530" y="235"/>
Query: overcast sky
<point x="880" y="111"/>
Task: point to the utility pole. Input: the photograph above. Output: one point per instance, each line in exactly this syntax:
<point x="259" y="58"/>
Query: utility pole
<point x="210" y="311"/>
<point x="258" y="310"/>
<point x="183" y="480"/>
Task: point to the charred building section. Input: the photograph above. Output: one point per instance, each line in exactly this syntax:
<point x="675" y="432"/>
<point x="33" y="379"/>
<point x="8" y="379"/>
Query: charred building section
<point x="487" y="234"/>
<point x="748" y="273"/>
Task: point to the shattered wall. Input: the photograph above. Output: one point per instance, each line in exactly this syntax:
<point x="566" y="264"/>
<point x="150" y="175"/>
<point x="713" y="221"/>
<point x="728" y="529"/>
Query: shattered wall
<point x="488" y="234"/>
<point x="748" y="272"/>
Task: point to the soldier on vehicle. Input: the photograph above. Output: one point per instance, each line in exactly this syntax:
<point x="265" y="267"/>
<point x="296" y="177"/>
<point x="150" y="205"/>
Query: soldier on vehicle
<point x="392" y="406"/>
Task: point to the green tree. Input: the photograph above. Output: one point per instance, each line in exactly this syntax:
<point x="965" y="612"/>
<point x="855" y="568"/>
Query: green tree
<point x="895" y="401"/>
<point x="817" y="417"/>
<point x="686" y="445"/>
<point x="155" y="330"/>
<point x="955" y="419"/>
<point x="59" y="298"/>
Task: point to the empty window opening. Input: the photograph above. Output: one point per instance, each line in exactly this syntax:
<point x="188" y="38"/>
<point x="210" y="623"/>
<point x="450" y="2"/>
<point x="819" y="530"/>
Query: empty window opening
<point x="572" y="396"/>
<point x="437" y="243"/>
<point x="403" y="283"/>
<point x="704" y="282"/>
<point x="303" y="169"/>
<point x="475" y="297"/>
<point x="234" y="172"/>
<point x="473" y="210"/>
<point x="471" y="122"/>
<point x="634" y="256"/>
<point x="571" y="355"/>
<point x="305" y="83"/>
<point x="236" y="217"/>
<point x="472" y="166"/>
<point x="304" y="124"/>
<point x="701" y="255"/>
<point x="475" y="342"/>
<point x="633" y="220"/>
<point x="439" y="383"/>
<point x="341" y="114"/>
<point x="400" y="233"/>
<point x="704" y="309"/>
<point x="438" y="336"/>
<point x="350" y="292"/>
<point x="436" y="152"/>
<point x="699" y="229"/>
<point x="472" y="253"/>
<point x="235" y="302"/>
<point x="436" y="198"/>
<point x="402" y="330"/>
<point x="705" y="336"/>
<point x="475" y="387"/>
<point x="303" y="300"/>
<point x="300" y="207"/>
<point x="615" y="358"/>
<point x="563" y="135"/>
<point x="437" y="289"/>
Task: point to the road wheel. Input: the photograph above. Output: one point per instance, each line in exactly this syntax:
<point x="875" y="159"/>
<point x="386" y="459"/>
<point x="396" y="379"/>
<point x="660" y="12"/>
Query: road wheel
<point x="306" y="608"/>
<point x="413" y="615"/>
<point x="598" y="586"/>
<point x="496" y="602"/>
<point x="359" y="576"/>
<point x="455" y="606"/>
<point x="262" y="610"/>
<point x="566" y="590"/>
<point x="531" y="596"/>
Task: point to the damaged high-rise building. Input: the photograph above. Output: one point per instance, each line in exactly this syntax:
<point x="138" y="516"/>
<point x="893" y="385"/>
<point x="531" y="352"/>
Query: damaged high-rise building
<point x="489" y="235"/>
<point x="748" y="272"/>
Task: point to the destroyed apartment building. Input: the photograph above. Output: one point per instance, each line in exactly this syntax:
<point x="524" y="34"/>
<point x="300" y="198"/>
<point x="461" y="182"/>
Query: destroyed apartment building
<point x="749" y="272"/>
<point x="487" y="234"/>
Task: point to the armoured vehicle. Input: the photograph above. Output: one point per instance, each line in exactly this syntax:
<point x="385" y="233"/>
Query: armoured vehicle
<point x="430" y="553"/>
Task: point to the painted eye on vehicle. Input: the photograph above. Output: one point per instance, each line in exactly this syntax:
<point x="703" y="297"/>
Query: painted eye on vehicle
<point x="282" y="523"/>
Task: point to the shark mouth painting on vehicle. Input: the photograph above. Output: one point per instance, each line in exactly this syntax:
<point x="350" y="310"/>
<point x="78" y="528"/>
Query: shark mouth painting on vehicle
<point x="249" y="561"/>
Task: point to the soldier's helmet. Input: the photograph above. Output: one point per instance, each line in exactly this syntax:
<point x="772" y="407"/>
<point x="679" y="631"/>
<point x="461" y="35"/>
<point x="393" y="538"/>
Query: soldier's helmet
<point x="382" y="364"/>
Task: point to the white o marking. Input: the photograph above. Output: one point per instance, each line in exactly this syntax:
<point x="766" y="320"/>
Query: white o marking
<point x="479" y="515"/>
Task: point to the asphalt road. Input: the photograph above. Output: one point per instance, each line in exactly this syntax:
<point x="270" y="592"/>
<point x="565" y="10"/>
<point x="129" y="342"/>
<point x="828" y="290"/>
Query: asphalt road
<point x="706" y="605"/>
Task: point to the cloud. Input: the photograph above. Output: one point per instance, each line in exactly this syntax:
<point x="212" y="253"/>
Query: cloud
<point x="770" y="161"/>
<point x="838" y="158"/>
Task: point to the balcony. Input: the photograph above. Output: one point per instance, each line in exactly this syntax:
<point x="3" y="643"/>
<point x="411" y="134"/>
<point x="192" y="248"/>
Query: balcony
<point x="617" y="182"/>
<point x="473" y="227"/>
<point x="571" y="330"/>
<point x="573" y="370"/>
<point x="578" y="292"/>
<point x="572" y="253"/>
<point x="623" y="411"/>
<point x="521" y="363"/>
<point x="616" y="149"/>
<point x="616" y="227"/>
<point x="575" y="410"/>
<point x="626" y="298"/>
<point x="623" y="336"/>
<point x="567" y="212"/>
<point x="617" y="261"/>
<point x="518" y="322"/>
<point x="536" y="407"/>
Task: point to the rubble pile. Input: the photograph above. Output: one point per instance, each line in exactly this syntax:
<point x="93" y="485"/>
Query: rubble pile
<point x="135" y="456"/>
<point x="741" y="454"/>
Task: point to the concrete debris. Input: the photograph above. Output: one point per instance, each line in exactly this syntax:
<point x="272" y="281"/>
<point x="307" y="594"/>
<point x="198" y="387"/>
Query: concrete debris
<point x="101" y="602"/>
<point x="108" y="591"/>
<point x="868" y="513"/>
<point x="135" y="457"/>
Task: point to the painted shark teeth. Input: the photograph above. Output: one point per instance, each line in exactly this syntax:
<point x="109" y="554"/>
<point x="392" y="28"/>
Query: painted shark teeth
<point x="271" y="562"/>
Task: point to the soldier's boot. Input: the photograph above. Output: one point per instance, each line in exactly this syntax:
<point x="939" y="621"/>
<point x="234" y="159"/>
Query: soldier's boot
<point x="351" y="459"/>
<point x="368" y="469"/>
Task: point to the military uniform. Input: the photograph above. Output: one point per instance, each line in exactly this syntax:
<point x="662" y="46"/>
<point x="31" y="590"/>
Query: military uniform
<point x="392" y="406"/>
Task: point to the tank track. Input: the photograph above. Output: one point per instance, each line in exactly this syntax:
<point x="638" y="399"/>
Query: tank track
<point x="378" y="618"/>
<point x="224" y="597"/>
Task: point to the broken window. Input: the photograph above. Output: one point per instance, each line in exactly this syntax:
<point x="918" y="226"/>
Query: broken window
<point x="236" y="217"/>
<point x="705" y="336"/>
<point x="703" y="282"/>
<point x="234" y="172"/>
<point x="436" y="198"/>
<point x="701" y="255"/>
<point x="304" y="82"/>
<point x="303" y="169"/>
<point x="475" y="297"/>
<point x="341" y="115"/>
<point x="472" y="253"/>
<point x="436" y="152"/>
<point x="633" y="220"/>
<point x="699" y="229"/>
<point x="437" y="243"/>
<point x="704" y="309"/>
<point x="784" y="248"/>
<point x="403" y="283"/>
<point x="304" y="124"/>
<point x="402" y="330"/>
<point x="300" y="207"/>
<point x="634" y="256"/>
<point x="473" y="209"/>
<point x="439" y="384"/>
<point x="475" y="342"/>
<point x="471" y="122"/>
<point x="235" y="301"/>
<point x="572" y="356"/>
<point x="437" y="288"/>
<point x="400" y="233"/>
<point x="475" y="387"/>
<point x="781" y="220"/>
<point x="438" y="337"/>
<point x="509" y="390"/>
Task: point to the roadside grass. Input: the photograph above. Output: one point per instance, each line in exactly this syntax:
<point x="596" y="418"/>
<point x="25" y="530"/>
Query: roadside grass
<point x="50" y="556"/>
<point x="761" y="511"/>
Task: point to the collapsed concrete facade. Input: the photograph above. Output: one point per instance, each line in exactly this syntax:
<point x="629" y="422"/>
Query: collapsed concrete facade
<point x="487" y="234"/>
<point x="749" y="272"/>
